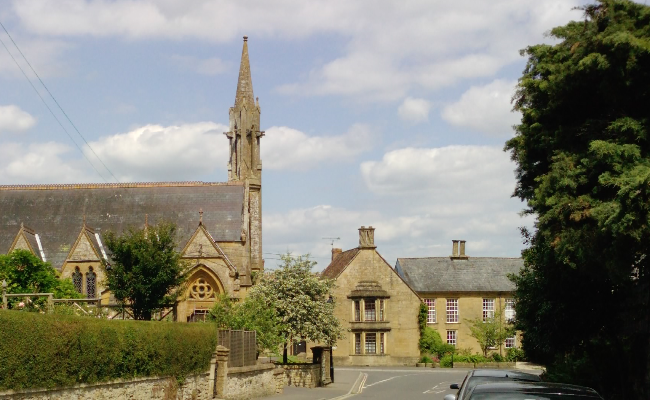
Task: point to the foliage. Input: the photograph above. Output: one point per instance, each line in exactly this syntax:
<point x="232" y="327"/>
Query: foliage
<point x="515" y="354"/>
<point x="46" y="351"/>
<point x="302" y="302"/>
<point x="464" y="358"/>
<point x="146" y="269"/>
<point x="26" y="273"/>
<point x="496" y="357"/>
<point x="252" y="314"/>
<point x="491" y="332"/>
<point x="426" y="360"/>
<point x="583" y="166"/>
<point x="423" y="315"/>
<point x="431" y="343"/>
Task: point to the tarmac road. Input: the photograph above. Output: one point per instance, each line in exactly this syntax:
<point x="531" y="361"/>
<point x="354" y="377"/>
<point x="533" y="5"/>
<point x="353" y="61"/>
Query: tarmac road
<point x="401" y="383"/>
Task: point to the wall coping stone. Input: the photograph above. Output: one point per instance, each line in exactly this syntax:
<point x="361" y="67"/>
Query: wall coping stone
<point x="250" y="368"/>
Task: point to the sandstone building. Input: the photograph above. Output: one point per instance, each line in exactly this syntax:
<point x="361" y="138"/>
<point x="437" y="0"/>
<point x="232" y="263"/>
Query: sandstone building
<point x="377" y="309"/>
<point x="459" y="287"/>
<point x="219" y="224"/>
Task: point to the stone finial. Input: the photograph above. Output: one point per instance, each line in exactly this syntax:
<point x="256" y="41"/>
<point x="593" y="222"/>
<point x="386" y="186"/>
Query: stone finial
<point x="245" y="38"/>
<point x="200" y="216"/>
<point x="367" y="237"/>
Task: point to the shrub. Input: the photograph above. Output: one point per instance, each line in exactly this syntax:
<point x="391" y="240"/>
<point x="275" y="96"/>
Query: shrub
<point x="46" y="351"/>
<point x="496" y="357"/>
<point x="464" y="358"/>
<point x="431" y="342"/>
<point x="426" y="359"/>
<point x="515" y="354"/>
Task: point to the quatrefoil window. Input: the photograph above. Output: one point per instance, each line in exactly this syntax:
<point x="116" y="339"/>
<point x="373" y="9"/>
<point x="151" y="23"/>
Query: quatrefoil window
<point x="201" y="290"/>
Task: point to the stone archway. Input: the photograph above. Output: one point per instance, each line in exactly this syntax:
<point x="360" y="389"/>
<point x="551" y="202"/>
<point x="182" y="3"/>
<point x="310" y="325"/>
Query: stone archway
<point x="203" y="289"/>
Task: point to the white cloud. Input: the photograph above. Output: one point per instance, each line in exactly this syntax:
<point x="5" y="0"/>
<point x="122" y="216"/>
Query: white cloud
<point x="42" y="163"/>
<point x="414" y="110"/>
<point x="444" y="172"/>
<point x="424" y="198"/>
<point x="287" y="148"/>
<point x="164" y="153"/>
<point x="13" y="119"/>
<point x="485" y="109"/>
<point x="391" y="48"/>
<point x="209" y="66"/>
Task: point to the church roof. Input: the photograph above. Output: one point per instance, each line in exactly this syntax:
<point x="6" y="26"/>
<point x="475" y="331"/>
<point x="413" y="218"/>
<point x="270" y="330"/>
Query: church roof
<point x="56" y="212"/>
<point x="475" y="274"/>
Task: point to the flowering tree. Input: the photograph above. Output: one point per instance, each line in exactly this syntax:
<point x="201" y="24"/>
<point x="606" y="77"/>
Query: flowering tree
<point x="302" y="302"/>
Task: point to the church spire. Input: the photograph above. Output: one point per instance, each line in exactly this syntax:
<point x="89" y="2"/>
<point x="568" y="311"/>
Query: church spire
<point x="245" y="83"/>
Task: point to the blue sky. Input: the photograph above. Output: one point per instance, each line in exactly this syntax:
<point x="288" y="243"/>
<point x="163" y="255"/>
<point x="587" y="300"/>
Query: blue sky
<point x="385" y="113"/>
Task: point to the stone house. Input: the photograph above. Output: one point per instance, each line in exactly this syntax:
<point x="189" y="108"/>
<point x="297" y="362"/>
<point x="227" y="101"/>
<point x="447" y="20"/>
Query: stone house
<point x="219" y="225"/>
<point x="458" y="288"/>
<point x="377" y="309"/>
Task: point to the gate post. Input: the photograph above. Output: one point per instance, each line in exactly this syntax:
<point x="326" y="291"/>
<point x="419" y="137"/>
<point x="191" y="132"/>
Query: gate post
<point x="221" y="376"/>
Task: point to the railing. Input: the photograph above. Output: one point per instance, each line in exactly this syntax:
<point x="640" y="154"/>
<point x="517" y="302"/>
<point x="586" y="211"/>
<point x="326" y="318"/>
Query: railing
<point x="242" y="345"/>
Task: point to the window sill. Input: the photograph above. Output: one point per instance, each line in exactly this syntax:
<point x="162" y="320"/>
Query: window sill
<point x="372" y="355"/>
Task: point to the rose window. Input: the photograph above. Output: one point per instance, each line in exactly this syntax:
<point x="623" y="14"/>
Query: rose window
<point x="201" y="289"/>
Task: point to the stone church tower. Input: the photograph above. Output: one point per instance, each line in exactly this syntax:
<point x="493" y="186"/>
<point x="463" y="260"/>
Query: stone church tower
<point x="245" y="164"/>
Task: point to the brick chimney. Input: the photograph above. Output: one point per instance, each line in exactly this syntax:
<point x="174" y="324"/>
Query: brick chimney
<point x="367" y="237"/>
<point x="336" y="252"/>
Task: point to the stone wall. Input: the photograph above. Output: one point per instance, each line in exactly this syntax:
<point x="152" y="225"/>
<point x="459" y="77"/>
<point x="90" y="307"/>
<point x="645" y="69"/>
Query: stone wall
<point x="194" y="388"/>
<point x="302" y="375"/>
<point x="251" y="381"/>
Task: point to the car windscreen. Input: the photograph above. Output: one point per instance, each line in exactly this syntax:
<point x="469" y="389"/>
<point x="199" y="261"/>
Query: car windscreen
<point x="475" y="380"/>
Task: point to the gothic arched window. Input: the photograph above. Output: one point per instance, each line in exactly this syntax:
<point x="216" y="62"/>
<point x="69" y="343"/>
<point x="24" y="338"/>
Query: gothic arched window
<point x="91" y="279"/>
<point x="77" y="280"/>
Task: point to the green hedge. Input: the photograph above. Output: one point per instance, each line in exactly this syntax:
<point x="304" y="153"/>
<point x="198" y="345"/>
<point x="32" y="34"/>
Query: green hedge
<point x="46" y="351"/>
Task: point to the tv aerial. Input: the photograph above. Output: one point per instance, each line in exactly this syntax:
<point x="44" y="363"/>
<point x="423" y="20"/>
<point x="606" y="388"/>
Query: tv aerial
<point x="332" y="240"/>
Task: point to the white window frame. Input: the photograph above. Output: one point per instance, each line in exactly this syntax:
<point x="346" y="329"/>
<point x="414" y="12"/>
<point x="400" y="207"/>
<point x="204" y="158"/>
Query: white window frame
<point x="431" y="310"/>
<point x="452" y="337"/>
<point x="453" y="313"/>
<point x="510" y="313"/>
<point x="511" y="342"/>
<point x="488" y="309"/>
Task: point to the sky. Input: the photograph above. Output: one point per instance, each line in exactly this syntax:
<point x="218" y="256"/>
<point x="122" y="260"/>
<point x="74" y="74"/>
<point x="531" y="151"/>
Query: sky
<point x="392" y="114"/>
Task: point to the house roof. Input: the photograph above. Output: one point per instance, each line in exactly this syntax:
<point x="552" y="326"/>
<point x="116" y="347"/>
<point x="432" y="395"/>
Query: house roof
<point x="56" y="212"/>
<point x="475" y="274"/>
<point x="339" y="263"/>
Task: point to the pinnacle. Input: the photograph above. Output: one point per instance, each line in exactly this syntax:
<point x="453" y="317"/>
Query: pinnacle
<point x="245" y="83"/>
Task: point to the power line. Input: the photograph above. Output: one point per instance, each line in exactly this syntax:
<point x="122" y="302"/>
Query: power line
<point x="57" y="104"/>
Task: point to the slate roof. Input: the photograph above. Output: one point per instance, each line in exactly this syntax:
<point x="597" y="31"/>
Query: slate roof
<point x="442" y="274"/>
<point x="339" y="263"/>
<point x="56" y="212"/>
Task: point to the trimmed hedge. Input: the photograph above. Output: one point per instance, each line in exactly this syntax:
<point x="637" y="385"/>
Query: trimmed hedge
<point x="46" y="351"/>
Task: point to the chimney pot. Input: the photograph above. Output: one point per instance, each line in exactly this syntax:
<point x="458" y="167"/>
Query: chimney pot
<point x="336" y="252"/>
<point x="462" y="248"/>
<point x="454" y="248"/>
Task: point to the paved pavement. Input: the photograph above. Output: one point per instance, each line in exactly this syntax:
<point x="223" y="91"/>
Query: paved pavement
<point x="402" y="383"/>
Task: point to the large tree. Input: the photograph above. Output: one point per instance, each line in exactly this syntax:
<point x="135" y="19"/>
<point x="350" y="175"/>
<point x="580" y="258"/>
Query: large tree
<point x="583" y="156"/>
<point x="145" y="271"/>
<point x="302" y="302"/>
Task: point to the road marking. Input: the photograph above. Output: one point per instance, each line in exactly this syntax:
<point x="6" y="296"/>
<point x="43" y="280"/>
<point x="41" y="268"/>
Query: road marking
<point x="436" y="387"/>
<point x="388" y="379"/>
<point x="358" y="384"/>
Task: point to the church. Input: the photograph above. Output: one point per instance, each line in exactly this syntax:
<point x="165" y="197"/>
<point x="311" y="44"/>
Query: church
<point x="219" y="224"/>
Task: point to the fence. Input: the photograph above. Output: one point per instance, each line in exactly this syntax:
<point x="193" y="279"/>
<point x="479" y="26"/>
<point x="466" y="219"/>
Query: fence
<point x="242" y="345"/>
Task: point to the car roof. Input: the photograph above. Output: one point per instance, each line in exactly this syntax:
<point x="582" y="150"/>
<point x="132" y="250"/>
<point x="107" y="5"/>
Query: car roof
<point x="500" y="373"/>
<point x="536" y="387"/>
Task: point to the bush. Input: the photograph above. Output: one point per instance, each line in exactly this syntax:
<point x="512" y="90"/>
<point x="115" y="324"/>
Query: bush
<point x="515" y="354"/>
<point x="426" y="359"/>
<point x="431" y="343"/>
<point x="46" y="351"/>
<point x="463" y="358"/>
<point x="496" y="357"/>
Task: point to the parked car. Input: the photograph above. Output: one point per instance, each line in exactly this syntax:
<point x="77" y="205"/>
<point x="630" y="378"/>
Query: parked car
<point x="477" y="376"/>
<point x="520" y="390"/>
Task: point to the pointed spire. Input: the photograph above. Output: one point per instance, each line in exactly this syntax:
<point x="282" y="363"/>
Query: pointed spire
<point x="245" y="83"/>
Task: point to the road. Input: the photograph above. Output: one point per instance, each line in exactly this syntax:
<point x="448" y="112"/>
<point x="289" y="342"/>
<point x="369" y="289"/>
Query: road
<point x="402" y="383"/>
